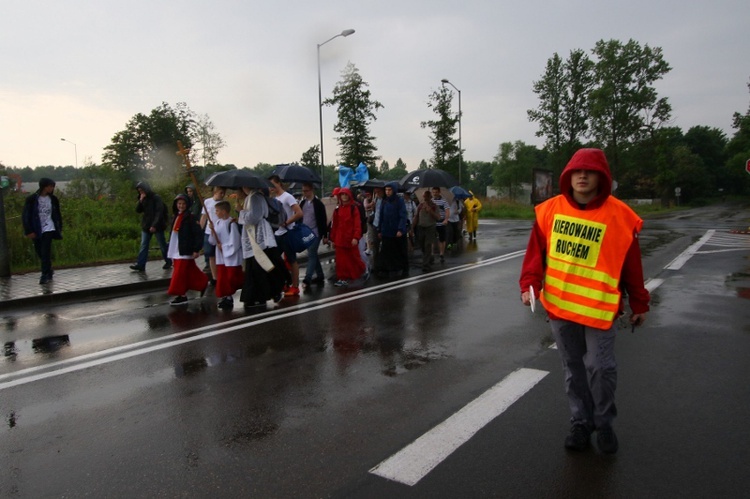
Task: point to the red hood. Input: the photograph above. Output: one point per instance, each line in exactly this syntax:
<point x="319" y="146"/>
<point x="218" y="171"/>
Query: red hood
<point x="587" y="159"/>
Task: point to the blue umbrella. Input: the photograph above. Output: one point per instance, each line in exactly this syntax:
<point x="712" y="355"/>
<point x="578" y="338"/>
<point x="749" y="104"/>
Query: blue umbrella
<point x="459" y="192"/>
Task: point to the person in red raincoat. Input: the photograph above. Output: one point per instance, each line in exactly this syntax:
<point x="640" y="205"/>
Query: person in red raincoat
<point x="346" y="231"/>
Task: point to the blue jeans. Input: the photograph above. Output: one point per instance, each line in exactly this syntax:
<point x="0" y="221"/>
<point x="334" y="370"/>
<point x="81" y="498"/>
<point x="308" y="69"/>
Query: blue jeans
<point x="588" y="358"/>
<point x="146" y="241"/>
<point x="313" y="262"/>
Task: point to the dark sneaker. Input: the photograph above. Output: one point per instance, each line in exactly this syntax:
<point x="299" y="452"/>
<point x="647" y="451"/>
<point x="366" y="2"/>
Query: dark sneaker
<point x="137" y="268"/>
<point x="45" y="279"/>
<point x="579" y="438"/>
<point x="180" y="300"/>
<point x="167" y="265"/>
<point x="226" y="303"/>
<point x="606" y="440"/>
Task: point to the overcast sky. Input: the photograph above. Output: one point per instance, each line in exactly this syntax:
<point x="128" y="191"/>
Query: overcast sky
<point x="80" y="69"/>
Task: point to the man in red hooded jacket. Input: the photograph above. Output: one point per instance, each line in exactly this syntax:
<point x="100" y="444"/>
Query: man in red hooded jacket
<point x="582" y="254"/>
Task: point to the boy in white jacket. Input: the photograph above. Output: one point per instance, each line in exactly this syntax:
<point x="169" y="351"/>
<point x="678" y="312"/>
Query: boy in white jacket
<point x="229" y="274"/>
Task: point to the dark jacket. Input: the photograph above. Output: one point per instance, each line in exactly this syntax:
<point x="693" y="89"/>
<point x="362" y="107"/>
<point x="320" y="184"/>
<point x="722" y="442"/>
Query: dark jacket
<point x="195" y="204"/>
<point x="153" y="208"/>
<point x="190" y="234"/>
<point x="321" y="219"/>
<point x="392" y="214"/>
<point x="30" y="216"/>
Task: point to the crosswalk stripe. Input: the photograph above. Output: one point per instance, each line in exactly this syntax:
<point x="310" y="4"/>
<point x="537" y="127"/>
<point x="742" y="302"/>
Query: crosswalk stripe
<point x="416" y="460"/>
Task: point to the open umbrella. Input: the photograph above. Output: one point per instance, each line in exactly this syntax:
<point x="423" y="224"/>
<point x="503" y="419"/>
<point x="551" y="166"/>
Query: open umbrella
<point x="236" y="179"/>
<point x="296" y="173"/>
<point x="431" y="177"/>
<point x="459" y="192"/>
<point x="371" y="184"/>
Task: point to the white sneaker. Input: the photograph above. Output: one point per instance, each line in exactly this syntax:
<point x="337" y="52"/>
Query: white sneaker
<point x="341" y="283"/>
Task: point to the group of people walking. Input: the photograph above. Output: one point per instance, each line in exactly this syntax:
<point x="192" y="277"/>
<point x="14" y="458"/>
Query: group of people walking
<point x="582" y="258"/>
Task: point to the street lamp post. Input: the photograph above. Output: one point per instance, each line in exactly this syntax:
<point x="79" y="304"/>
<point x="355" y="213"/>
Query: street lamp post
<point x="346" y="32"/>
<point x="460" y="147"/>
<point x="75" y="149"/>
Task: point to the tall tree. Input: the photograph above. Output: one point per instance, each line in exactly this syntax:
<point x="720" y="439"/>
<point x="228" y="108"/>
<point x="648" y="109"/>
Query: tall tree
<point x="479" y="176"/>
<point x="400" y="164"/>
<point x="209" y="139"/>
<point x="149" y="142"/>
<point x="423" y="165"/>
<point x="384" y="166"/>
<point x="563" y="105"/>
<point x="443" y="139"/>
<point x="624" y="104"/>
<point x="514" y="164"/>
<point x="734" y="179"/>
<point x="356" y="112"/>
<point x="311" y="158"/>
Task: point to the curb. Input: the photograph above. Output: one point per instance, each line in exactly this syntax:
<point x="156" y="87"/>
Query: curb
<point x="116" y="291"/>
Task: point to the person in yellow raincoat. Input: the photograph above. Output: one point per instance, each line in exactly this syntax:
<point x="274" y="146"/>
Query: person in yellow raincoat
<point x="473" y="207"/>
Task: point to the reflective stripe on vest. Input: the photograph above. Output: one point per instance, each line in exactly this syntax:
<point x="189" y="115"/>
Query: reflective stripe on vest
<point x="585" y="253"/>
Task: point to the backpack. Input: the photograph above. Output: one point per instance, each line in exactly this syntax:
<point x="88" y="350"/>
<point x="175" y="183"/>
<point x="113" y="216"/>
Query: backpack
<point x="276" y="213"/>
<point x="362" y="217"/>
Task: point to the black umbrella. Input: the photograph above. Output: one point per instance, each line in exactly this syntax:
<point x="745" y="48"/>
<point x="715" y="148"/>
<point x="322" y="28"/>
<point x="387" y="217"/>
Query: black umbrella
<point x="371" y="184"/>
<point x="236" y="179"/>
<point x="431" y="177"/>
<point x="296" y="173"/>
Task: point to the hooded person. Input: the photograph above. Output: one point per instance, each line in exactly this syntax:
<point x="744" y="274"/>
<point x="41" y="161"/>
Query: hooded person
<point x="345" y="233"/>
<point x="472" y="207"/>
<point x="195" y="203"/>
<point x="184" y="247"/>
<point x="42" y="223"/>
<point x="153" y="223"/>
<point x="392" y="233"/>
<point x="582" y="253"/>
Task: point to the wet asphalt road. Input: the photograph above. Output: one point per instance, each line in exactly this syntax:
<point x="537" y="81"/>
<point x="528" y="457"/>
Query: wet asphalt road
<point x="131" y="397"/>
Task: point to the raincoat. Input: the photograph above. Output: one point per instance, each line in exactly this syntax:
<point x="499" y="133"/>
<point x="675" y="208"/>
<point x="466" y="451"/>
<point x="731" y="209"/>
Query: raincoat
<point x="473" y="207"/>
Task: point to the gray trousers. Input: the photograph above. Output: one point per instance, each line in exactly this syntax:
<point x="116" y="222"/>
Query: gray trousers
<point x="588" y="358"/>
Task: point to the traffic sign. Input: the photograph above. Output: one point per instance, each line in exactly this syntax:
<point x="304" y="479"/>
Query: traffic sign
<point x="747" y="166"/>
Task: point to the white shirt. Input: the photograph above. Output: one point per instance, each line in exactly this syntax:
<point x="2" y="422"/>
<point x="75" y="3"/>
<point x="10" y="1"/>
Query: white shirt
<point x="45" y="214"/>
<point x="287" y="201"/>
<point x="231" y="244"/>
<point x="210" y="208"/>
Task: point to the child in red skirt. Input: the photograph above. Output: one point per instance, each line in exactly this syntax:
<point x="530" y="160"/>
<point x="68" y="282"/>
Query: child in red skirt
<point x="185" y="244"/>
<point x="229" y="274"/>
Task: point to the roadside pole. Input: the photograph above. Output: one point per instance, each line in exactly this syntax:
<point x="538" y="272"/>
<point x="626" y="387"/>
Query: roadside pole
<point x="4" y="250"/>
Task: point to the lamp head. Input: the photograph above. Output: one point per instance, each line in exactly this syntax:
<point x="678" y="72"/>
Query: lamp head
<point x="347" y="32"/>
<point x="444" y="80"/>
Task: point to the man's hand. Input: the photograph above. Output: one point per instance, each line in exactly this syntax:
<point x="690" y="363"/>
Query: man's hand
<point x="152" y="230"/>
<point x="355" y="242"/>
<point x="31" y="235"/>
<point x="526" y="298"/>
<point x="638" y="319"/>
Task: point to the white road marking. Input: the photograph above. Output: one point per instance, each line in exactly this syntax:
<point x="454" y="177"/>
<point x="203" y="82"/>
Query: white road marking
<point x="24" y="376"/>
<point x="652" y="284"/>
<point x="686" y="255"/>
<point x="412" y="463"/>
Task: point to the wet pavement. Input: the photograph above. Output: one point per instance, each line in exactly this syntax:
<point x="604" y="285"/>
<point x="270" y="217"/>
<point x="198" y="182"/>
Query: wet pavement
<point x="89" y="283"/>
<point x="132" y="397"/>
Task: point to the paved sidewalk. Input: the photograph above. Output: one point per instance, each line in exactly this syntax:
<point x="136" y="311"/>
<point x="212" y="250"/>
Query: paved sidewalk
<point x="89" y="283"/>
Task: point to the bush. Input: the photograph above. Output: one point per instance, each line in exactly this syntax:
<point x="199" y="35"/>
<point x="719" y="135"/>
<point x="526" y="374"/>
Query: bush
<point x="94" y="231"/>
